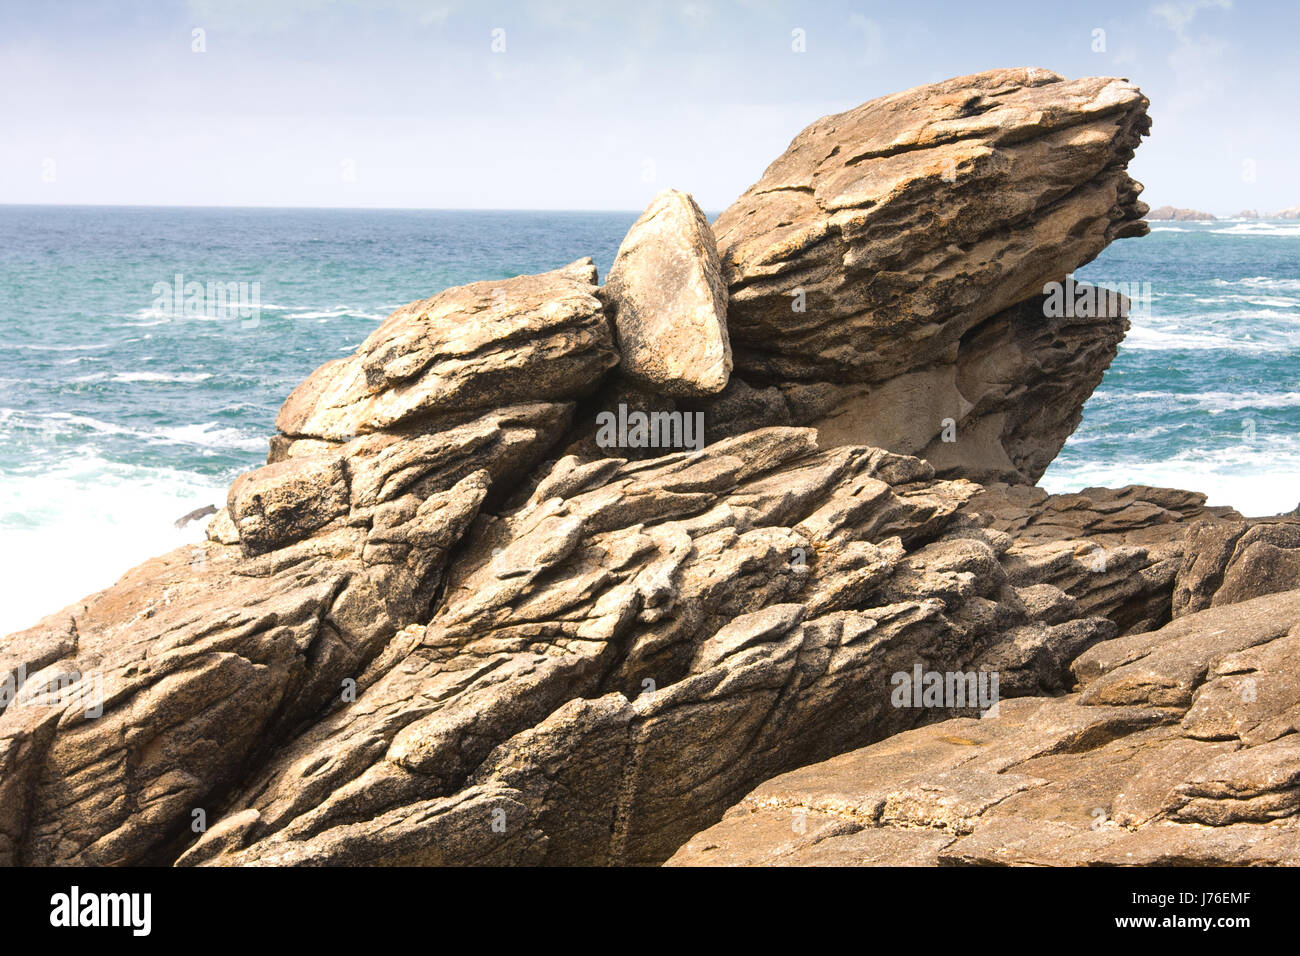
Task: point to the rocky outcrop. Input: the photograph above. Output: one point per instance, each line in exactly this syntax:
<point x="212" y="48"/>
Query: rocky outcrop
<point x="1180" y="749"/>
<point x="135" y="708"/>
<point x="667" y="301"/>
<point x="1171" y="214"/>
<point x="622" y="655"/>
<point x="883" y="273"/>
<point x="885" y="234"/>
<point x="452" y="620"/>
<point x="1230" y="562"/>
<point x="485" y="345"/>
<point x="1001" y="409"/>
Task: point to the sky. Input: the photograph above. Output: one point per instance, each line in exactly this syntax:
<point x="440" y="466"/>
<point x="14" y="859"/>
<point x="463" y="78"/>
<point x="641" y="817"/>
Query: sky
<point x="585" y="105"/>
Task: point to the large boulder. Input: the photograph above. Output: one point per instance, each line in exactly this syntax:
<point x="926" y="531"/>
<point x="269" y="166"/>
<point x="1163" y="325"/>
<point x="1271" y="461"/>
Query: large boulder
<point x="668" y="303"/>
<point x="884" y="234"/>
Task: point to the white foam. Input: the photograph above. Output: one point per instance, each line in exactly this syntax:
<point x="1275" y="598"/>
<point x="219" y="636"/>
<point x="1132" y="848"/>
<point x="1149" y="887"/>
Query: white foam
<point x="1276" y="229"/>
<point x="1253" y="495"/>
<point x="209" y="434"/>
<point x="337" y="312"/>
<point x="1213" y="402"/>
<point x="1260" y="477"/>
<point x="76" y="529"/>
<point x="162" y="376"/>
<point x="1149" y="338"/>
<point x="57" y="348"/>
<point x="203" y="434"/>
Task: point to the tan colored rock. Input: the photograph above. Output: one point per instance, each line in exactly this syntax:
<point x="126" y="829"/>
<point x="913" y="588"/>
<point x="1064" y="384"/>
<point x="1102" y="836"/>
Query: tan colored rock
<point x="1067" y="781"/>
<point x="886" y="233"/>
<point x="618" y="657"/>
<point x="1231" y="562"/>
<point x="444" y="626"/>
<point x="146" y="702"/>
<point x="480" y="346"/>
<point x="668" y="303"/>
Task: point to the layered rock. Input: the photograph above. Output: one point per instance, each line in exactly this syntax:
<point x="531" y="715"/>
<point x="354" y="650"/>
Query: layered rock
<point x="1180" y="749"/>
<point x="625" y="653"/>
<point x="883" y="273"/>
<point x="484" y="345"/>
<point x="885" y="234"/>
<point x="135" y="708"/>
<point x="1004" y="405"/>
<point x="1229" y="562"/>
<point x="447" y="623"/>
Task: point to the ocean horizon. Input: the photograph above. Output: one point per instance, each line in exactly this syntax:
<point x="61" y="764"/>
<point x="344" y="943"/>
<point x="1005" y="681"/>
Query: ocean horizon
<point x="119" y="415"/>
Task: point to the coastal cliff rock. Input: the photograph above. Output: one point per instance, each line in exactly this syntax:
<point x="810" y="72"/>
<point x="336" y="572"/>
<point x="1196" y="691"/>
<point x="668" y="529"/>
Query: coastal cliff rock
<point x="1001" y="409"/>
<point x="134" y="708"/>
<point x="452" y="620"/>
<point x="625" y="653"/>
<point x="1179" y="749"/>
<point x="885" y="234"/>
<point x="887" y="274"/>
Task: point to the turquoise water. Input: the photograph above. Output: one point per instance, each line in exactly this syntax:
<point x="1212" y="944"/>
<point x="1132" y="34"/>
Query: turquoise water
<point x="118" y="415"/>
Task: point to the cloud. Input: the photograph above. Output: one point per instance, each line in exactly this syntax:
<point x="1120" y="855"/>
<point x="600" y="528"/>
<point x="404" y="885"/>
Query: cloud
<point x="252" y="16"/>
<point x="1179" y="16"/>
<point x="1200" y="64"/>
<point x="873" y="36"/>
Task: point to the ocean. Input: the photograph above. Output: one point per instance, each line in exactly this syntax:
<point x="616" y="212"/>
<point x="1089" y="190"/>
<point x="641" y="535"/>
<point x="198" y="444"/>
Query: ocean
<point x="119" y="413"/>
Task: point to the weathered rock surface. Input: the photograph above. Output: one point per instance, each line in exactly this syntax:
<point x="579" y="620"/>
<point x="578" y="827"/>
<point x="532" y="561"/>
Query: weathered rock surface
<point x="625" y="653"/>
<point x="885" y="234"/>
<point x="136" y="707"/>
<point x="668" y="303"/>
<point x="446" y="623"/>
<point x="887" y="274"/>
<point x="1182" y="749"/>
<point x="484" y="345"/>
<point x="1231" y="562"/>
<point x="1001" y="409"/>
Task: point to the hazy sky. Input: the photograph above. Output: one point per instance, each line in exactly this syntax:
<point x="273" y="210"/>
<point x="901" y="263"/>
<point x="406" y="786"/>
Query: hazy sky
<point x="592" y="105"/>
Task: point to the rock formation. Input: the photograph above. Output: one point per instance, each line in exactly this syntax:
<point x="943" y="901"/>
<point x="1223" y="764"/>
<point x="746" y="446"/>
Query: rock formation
<point x="1171" y="214"/>
<point x="1179" y="747"/>
<point x="451" y="622"/>
<point x="665" y="298"/>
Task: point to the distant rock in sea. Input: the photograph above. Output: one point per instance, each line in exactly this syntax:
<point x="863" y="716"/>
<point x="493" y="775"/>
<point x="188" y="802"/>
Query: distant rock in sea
<point x="1245" y="214"/>
<point x="1171" y="214"/>
<point x="1292" y="212"/>
<point x="449" y="622"/>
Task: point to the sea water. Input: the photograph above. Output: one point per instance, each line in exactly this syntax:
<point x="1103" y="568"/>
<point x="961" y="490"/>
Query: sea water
<point x="120" y="412"/>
